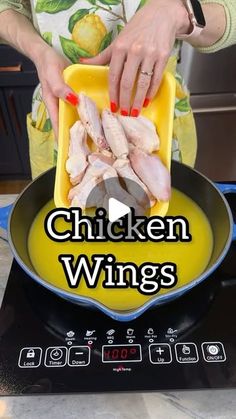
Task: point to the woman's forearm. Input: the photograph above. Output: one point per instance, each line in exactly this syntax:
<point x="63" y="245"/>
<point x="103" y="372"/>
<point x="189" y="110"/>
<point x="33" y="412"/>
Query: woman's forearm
<point x="215" y="26"/>
<point x="19" y="32"/>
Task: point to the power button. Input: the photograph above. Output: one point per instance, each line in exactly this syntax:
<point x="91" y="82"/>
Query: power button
<point x="213" y="349"/>
<point x="213" y="352"/>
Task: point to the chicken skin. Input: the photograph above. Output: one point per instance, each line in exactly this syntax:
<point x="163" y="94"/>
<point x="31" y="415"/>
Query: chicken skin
<point x="115" y="135"/>
<point x="78" y="195"/>
<point x="141" y="132"/>
<point x="125" y="171"/>
<point x="91" y="120"/>
<point x="78" y="152"/>
<point x="152" y="172"/>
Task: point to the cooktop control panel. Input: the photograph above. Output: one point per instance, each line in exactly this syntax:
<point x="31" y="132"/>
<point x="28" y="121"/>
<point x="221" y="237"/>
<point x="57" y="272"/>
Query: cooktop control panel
<point x="49" y="345"/>
<point x="155" y="353"/>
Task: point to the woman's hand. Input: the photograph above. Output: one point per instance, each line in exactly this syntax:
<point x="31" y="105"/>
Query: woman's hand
<point x="19" y="32"/>
<point x="50" y="66"/>
<point x="144" y="45"/>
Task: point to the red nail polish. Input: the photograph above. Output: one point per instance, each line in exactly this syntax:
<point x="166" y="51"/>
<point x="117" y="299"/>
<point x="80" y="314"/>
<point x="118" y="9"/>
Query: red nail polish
<point x="113" y="107"/>
<point x="72" y="99"/>
<point x="135" y="113"/>
<point x="124" y="112"/>
<point x="146" y="102"/>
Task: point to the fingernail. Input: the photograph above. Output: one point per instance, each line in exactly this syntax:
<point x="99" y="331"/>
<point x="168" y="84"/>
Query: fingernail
<point x="81" y="60"/>
<point x="146" y="102"/>
<point x="135" y="113"/>
<point x="113" y="107"/>
<point x="72" y="99"/>
<point x="124" y="112"/>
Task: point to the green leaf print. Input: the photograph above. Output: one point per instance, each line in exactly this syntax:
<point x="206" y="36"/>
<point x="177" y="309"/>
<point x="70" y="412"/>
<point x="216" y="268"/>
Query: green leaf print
<point x="141" y="4"/>
<point x="106" y="41"/>
<point x="92" y="1"/>
<point x="183" y="105"/>
<point x="47" y="36"/>
<point x="72" y="50"/>
<point x="53" y="6"/>
<point x="76" y="17"/>
<point x="110" y="2"/>
<point x="119" y="28"/>
<point x="47" y="126"/>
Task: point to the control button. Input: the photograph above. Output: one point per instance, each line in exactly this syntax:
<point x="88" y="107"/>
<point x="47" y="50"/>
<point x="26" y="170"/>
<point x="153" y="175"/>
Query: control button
<point x="90" y="333"/>
<point x="110" y="332"/>
<point x="55" y="356"/>
<point x="30" y="357"/>
<point x="160" y="353"/>
<point x="79" y="356"/>
<point x="213" y="352"/>
<point x="186" y="353"/>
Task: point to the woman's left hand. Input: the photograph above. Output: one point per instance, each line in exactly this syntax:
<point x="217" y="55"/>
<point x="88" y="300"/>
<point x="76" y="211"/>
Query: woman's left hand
<point x="141" y="52"/>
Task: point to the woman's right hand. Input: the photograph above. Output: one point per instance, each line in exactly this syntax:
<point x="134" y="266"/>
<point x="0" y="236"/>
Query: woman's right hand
<point x="50" y="66"/>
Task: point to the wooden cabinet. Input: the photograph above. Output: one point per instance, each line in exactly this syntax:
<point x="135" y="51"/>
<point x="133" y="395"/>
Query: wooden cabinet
<point x="18" y="78"/>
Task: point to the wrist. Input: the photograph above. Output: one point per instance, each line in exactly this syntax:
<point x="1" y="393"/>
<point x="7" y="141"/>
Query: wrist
<point x="176" y="12"/>
<point x="183" y="23"/>
<point x="39" y="48"/>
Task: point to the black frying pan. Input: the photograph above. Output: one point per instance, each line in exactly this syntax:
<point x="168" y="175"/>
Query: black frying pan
<point x="204" y="192"/>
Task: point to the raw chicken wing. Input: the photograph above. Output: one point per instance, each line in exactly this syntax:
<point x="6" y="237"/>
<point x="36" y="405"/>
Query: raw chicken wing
<point x="78" y="152"/>
<point x="141" y="132"/>
<point x="141" y="193"/>
<point x="91" y="120"/>
<point x="93" y="175"/>
<point x="152" y="172"/>
<point x="114" y="133"/>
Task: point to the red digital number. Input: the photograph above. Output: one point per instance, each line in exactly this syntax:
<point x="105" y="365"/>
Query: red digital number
<point x="124" y="353"/>
<point x="107" y="354"/>
<point x="115" y="354"/>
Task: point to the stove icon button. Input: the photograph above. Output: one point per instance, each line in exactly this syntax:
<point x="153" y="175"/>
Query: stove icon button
<point x="79" y="356"/>
<point x="186" y="353"/>
<point x="55" y="356"/>
<point x="160" y="353"/>
<point x="213" y="352"/>
<point x="30" y="357"/>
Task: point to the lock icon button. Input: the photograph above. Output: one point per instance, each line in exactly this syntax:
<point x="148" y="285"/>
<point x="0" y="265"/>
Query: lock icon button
<point x="30" y="353"/>
<point x="30" y="357"/>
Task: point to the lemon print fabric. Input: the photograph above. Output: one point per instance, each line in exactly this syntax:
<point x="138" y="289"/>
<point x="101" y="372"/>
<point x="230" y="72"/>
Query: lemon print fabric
<point x="83" y="28"/>
<point x="88" y="33"/>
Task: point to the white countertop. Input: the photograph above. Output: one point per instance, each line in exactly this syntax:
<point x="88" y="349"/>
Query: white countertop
<point x="214" y="404"/>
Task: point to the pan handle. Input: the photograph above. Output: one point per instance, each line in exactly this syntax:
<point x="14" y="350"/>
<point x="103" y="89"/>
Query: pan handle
<point x="4" y="216"/>
<point x="228" y="188"/>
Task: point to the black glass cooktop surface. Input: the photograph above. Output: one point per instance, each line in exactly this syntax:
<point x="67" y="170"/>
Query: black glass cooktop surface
<point x="49" y="345"/>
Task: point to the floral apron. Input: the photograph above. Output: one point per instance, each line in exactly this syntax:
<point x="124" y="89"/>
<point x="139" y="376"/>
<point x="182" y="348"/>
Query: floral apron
<point x="83" y="28"/>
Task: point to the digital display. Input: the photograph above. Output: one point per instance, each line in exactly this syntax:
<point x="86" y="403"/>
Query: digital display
<point x="121" y="353"/>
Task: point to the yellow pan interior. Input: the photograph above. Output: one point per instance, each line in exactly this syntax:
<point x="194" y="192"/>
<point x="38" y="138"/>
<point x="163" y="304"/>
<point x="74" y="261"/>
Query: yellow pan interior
<point x="191" y="258"/>
<point x="93" y="81"/>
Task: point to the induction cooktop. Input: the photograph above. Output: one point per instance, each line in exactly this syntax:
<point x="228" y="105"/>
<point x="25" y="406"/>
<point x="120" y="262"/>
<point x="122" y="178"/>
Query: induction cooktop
<point x="50" y="345"/>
